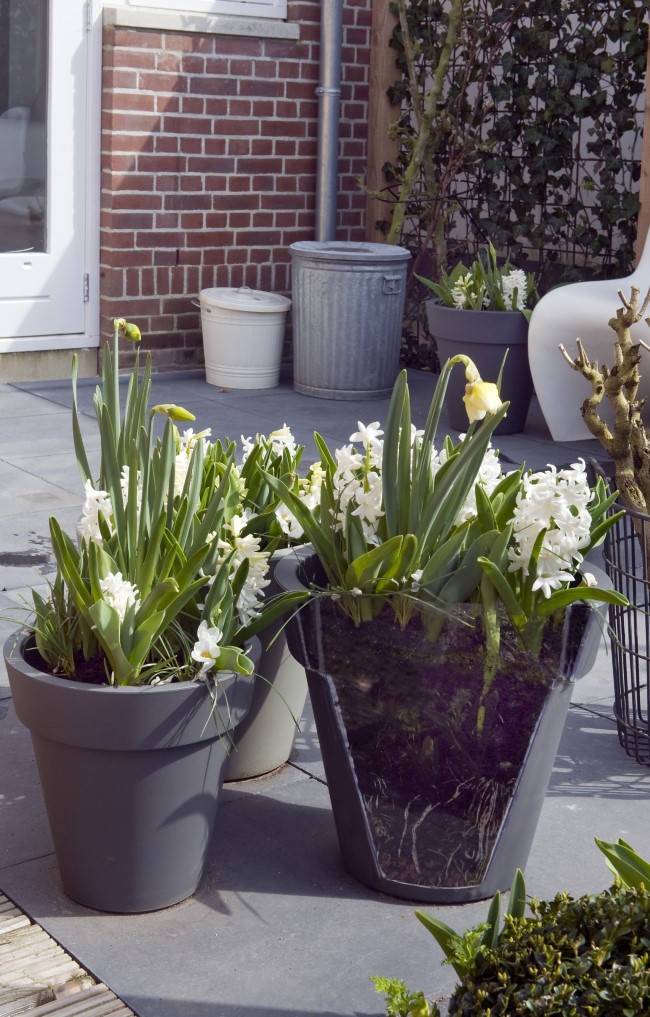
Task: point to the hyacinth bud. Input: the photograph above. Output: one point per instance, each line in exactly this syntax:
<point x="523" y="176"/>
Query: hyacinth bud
<point x="127" y="329"/>
<point x="172" y="411"/>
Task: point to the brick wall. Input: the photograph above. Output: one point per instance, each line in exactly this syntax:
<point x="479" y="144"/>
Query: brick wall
<point x="208" y="167"/>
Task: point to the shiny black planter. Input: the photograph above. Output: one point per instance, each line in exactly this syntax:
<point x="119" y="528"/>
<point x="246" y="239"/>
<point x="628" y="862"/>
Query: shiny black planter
<point x="424" y="809"/>
<point x="130" y="777"/>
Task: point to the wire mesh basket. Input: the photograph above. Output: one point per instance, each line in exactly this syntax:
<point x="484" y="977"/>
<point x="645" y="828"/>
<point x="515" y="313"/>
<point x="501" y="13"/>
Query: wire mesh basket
<point x="626" y="554"/>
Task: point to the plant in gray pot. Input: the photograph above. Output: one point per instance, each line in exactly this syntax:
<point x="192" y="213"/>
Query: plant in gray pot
<point x="447" y="620"/>
<point x="483" y="311"/>
<point x="138" y="666"/>
<point x="265" y="739"/>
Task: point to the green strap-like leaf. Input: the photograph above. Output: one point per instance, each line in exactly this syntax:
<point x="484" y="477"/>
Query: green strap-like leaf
<point x="510" y="602"/>
<point x="490" y="936"/>
<point x="517" y="899"/>
<point x="107" y="628"/>
<point x="631" y="868"/>
<point x="562" y="598"/>
<point x="445" y="937"/>
<point x="79" y="447"/>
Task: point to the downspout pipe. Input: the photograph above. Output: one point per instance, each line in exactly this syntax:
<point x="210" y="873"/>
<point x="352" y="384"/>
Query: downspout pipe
<point x="329" y="102"/>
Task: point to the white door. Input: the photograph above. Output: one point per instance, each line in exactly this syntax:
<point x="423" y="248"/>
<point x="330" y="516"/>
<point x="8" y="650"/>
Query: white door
<point x="43" y="90"/>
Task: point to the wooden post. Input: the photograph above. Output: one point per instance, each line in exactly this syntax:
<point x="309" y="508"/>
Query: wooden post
<point x="382" y="74"/>
<point x="643" y="221"/>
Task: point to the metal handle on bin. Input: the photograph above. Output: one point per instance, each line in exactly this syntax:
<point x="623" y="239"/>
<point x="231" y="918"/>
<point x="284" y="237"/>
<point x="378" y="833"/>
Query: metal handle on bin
<point x="201" y="307"/>
<point x="391" y="284"/>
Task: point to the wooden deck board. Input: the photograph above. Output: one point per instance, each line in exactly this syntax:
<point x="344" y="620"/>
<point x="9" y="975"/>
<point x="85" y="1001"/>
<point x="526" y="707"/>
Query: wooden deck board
<point x="38" y="977"/>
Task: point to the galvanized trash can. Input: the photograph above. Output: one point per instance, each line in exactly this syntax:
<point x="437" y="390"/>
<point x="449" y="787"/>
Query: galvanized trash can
<point x="348" y="305"/>
<point x="243" y="334"/>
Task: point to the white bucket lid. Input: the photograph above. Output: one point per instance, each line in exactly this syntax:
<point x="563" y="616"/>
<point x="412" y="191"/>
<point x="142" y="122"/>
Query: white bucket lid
<point x="244" y="299"/>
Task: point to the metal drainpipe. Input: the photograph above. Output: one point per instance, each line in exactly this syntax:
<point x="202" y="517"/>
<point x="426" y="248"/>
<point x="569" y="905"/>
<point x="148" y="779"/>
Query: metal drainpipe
<point x="329" y="93"/>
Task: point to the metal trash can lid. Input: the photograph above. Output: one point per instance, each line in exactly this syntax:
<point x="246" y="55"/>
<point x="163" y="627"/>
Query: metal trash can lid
<point x="243" y="298"/>
<point x="347" y="250"/>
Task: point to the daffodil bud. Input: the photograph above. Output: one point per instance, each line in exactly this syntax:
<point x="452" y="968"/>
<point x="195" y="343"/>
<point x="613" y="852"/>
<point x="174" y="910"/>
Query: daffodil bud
<point x="128" y="330"/>
<point x="471" y="370"/>
<point x="173" y="411"/>
<point x="481" y="397"/>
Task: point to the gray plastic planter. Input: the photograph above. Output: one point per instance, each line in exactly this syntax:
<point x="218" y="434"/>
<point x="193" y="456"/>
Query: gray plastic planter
<point x="484" y="336"/>
<point x="348" y="305"/>
<point x="130" y="777"/>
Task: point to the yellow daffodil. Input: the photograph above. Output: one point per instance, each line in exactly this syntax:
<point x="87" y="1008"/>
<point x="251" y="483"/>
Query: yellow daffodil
<point x="481" y="397"/>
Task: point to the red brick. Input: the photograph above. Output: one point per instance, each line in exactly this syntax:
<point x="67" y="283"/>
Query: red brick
<point x="238" y="46"/>
<point x="167" y="182"/>
<point x="217" y="182"/>
<point x="165" y="143"/>
<point x="213" y="86"/>
<point x="194" y="63"/>
<point x="131" y="39"/>
<point x="123" y="123"/>
<point x="185" y="125"/>
<point x="240" y="68"/>
<point x="261" y="87"/>
<point x="191" y="202"/>
<point x="240" y="108"/>
<point x="166" y="221"/>
<point x="238" y="127"/>
<point x="159" y="239"/>
<point x="216" y="107"/>
<point x="162" y="163"/>
<point x="285" y="128"/>
<point x="192" y="145"/>
<point x="157" y="81"/>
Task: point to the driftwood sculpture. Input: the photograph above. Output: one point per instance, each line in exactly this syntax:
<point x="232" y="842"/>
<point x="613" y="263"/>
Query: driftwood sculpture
<point x="628" y="443"/>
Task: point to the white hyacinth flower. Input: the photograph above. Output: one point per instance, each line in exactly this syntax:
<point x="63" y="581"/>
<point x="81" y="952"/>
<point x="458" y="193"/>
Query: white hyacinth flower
<point x="206" y="648"/>
<point x="97" y="503"/>
<point x="555" y="501"/>
<point x="282" y="438"/>
<point x="514" y="280"/>
<point x="288" y="523"/>
<point x="119" y="593"/>
<point x="368" y="434"/>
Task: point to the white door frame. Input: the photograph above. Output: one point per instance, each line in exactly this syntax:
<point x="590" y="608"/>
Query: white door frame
<point x="91" y="17"/>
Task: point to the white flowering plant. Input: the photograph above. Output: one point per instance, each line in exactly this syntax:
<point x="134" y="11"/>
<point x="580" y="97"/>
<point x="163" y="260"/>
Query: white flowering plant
<point x="266" y="515"/>
<point x="425" y="527"/>
<point x="157" y="587"/>
<point x="486" y="286"/>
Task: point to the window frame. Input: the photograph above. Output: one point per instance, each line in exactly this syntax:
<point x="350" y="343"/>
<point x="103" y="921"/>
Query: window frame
<point x="240" y="8"/>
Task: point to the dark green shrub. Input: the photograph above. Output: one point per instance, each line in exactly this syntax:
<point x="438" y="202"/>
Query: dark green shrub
<point x="572" y="958"/>
<point x="584" y="957"/>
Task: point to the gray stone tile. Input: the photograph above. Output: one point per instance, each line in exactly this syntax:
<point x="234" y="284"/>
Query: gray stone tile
<point x="25" y="486"/>
<point x="25" y="547"/>
<point x="274" y="917"/>
<point x="23" y="821"/>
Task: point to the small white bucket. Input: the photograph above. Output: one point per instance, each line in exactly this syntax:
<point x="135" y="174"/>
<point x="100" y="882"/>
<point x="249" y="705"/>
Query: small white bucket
<point x="243" y="334"/>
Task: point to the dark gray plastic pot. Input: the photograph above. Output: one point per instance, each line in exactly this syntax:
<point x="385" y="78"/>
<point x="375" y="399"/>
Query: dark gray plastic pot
<point x="130" y="777"/>
<point x="413" y="820"/>
<point x="484" y="336"/>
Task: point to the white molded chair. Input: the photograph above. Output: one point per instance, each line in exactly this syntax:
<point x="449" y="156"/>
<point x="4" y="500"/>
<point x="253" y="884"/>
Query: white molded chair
<point x="579" y="311"/>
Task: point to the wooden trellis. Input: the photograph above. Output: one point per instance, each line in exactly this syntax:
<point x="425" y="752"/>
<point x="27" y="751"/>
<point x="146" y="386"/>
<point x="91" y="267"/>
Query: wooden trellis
<point x="382" y="150"/>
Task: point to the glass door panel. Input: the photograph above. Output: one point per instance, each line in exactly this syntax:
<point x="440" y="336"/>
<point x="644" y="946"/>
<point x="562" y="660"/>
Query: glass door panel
<point x="23" y="114"/>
